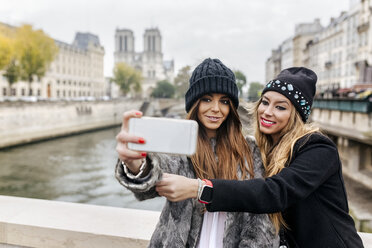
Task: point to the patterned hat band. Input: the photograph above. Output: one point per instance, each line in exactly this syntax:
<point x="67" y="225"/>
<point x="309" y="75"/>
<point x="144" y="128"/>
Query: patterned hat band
<point x="290" y="91"/>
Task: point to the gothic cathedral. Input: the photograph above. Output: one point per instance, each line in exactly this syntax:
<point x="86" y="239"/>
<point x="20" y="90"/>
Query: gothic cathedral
<point x="149" y="62"/>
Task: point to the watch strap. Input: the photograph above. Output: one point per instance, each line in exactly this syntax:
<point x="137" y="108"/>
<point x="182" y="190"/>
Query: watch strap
<point x="202" y="184"/>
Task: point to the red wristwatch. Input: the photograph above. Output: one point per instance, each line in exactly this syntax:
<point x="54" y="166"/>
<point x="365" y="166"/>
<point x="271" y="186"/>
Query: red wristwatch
<point x="206" y="192"/>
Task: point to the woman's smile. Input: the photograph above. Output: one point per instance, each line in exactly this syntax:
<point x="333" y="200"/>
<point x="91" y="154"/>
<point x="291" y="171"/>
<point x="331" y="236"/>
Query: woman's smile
<point x="267" y="123"/>
<point x="213" y="118"/>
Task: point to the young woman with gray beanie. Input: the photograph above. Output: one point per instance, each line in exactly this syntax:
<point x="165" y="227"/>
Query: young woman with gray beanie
<point x="303" y="191"/>
<point x="222" y="152"/>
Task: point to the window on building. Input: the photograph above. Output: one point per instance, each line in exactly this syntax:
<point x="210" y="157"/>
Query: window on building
<point x="120" y="43"/>
<point x="14" y="92"/>
<point x="64" y="93"/>
<point x="126" y="43"/>
<point x="39" y="92"/>
<point x="4" y="91"/>
<point x="30" y="92"/>
<point x="23" y="91"/>
<point x="57" y="93"/>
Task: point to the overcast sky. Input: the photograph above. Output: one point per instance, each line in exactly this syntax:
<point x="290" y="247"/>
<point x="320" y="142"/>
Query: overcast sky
<point x="241" y="33"/>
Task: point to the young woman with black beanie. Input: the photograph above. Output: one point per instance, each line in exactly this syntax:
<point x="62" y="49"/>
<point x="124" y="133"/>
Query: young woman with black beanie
<point x="303" y="190"/>
<point x="222" y="152"/>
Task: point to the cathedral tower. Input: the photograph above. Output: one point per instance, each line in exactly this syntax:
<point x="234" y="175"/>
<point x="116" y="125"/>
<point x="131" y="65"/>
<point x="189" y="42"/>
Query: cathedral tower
<point x="124" y="46"/>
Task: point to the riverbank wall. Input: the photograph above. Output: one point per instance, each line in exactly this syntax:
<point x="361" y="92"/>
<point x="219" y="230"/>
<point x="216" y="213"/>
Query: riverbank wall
<point x="27" y="122"/>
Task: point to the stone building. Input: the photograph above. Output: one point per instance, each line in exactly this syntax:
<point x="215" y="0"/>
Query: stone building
<point x="304" y="32"/>
<point x="363" y="64"/>
<point x="76" y="72"/>
<point x="273" y="64"/>
<point x="326" y="55"/>
<point x="291" y="51"/>
<point x="149" y="62"/>
<point x="340" y="53"/>
<point x="287" y="53"/>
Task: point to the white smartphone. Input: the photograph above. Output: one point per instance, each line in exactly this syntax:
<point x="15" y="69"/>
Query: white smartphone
<point x="164" y="135"/>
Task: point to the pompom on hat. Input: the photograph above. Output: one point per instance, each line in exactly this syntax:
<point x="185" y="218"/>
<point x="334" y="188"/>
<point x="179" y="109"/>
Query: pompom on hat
<point x="211" y="76"/>
<point x="298" y="85"/>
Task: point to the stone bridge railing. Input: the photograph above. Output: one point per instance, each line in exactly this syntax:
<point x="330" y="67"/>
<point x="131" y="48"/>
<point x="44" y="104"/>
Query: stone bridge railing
<point x="36" y="223"/>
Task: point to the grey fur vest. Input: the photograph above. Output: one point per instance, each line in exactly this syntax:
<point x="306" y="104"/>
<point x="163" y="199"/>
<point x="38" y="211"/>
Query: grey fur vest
<point x="180" y="222"/>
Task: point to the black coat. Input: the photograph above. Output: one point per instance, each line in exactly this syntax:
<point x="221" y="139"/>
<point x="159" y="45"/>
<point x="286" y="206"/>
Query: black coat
<point x="310" y="193"/>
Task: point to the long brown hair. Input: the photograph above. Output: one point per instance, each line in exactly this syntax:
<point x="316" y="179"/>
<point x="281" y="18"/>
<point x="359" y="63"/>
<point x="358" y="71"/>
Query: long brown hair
<point x="234" y="157"/>
<point x="275" y="157"/>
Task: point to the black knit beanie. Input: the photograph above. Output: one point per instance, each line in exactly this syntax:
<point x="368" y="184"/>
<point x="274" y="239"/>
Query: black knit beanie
<point x="298" y="85"/>
<point x="211" y="76"/>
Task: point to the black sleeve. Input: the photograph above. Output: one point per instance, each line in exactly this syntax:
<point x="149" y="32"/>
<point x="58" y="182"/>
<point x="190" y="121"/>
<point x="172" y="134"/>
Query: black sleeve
<point x="312" y="165"/>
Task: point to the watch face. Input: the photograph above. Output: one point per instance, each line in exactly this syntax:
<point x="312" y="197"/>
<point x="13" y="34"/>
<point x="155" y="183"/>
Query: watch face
<point x="206" y="195"/>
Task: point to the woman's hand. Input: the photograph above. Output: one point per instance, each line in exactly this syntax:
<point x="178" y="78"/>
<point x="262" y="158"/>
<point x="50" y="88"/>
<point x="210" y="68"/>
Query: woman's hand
<point x="132" y="159"/>
<point x="177" y="188"/>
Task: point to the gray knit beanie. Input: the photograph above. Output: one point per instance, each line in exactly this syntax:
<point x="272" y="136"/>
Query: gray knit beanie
<point x="211" y="76"/>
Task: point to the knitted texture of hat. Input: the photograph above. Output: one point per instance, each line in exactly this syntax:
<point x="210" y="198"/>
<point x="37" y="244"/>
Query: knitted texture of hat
<point x="211" y="76"/>
<point x="298" y="85"/>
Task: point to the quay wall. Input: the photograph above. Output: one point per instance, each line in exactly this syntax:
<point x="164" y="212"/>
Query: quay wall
<point x="25" y="122"/>
<point x="357" y="121"/>
<point x="352" y="132"/>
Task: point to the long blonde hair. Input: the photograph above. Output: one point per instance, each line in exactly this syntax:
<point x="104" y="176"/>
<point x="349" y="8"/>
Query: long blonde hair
<point x="275" y="157"/>
<point x="232" y="149"/>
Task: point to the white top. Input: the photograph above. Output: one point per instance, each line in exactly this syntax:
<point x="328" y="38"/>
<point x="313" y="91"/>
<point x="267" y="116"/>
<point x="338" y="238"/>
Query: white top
<point x="213" y="228"/>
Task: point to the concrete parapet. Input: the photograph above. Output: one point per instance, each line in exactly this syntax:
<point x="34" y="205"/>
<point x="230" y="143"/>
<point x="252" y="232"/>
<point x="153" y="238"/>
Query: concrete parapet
<point x="28" y="222"/>
<point x="367" y="239"/>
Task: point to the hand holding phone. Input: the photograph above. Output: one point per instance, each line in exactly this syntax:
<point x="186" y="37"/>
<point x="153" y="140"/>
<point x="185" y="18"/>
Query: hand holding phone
<point x="164" y="135"/>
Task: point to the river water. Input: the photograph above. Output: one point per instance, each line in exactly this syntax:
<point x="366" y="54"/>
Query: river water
<point x="77" y="168"/>
<point x="80" y="168"/>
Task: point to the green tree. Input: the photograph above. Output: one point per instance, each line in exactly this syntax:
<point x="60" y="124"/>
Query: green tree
<point x="254" y="92"/>
<point x="163" y="89"/>
<point x="241" y="81"/>
<point x="181" y="82"/>
<point x="35" y="52"/>
<point x="128" y="78"/>
<point x="12" y="73"/>
<point x="8" y="56"/>
<point x="6" y="51"/>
